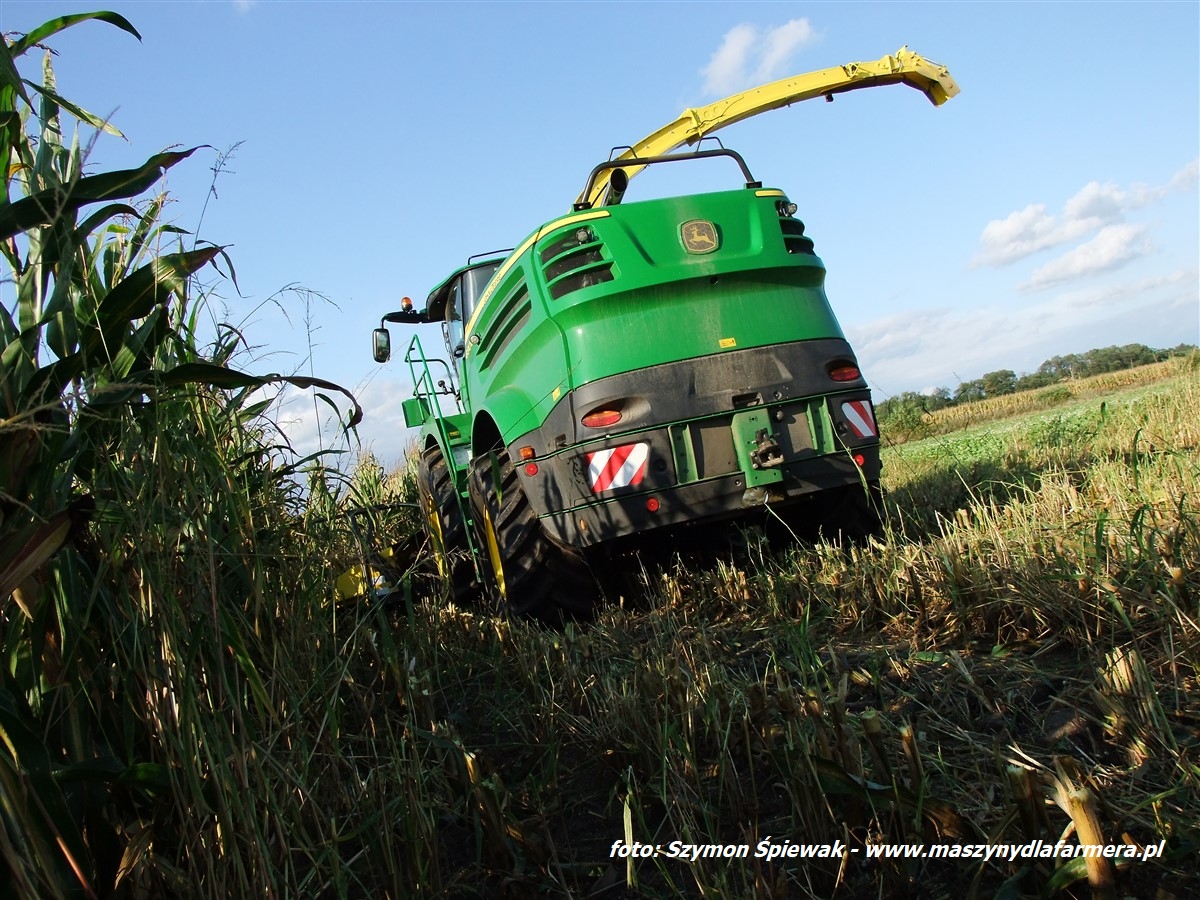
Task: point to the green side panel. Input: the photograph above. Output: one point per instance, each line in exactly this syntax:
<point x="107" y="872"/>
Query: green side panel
<point x="517" y="366"/>
<point x="416" y="411"/>
<point x="684" y="451"/>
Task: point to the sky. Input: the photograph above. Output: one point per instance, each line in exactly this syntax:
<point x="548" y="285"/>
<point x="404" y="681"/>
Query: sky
<point x="367" y="149"/>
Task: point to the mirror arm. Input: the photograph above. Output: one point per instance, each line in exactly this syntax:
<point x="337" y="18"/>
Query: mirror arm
<point x="405" y="317"/>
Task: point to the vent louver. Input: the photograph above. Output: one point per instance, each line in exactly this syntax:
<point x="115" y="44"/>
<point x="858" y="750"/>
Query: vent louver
<point x="575" y="261"/>
<point x="793" y="237"/>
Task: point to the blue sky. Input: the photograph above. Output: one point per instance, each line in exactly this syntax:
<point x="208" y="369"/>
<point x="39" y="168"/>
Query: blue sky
<point x="1051" y="207"/>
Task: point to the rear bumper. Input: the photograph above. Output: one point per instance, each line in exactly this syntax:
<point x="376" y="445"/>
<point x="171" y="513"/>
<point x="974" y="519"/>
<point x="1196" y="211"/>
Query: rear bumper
<point x="722" y="497"/>
<point x="753" y="443"/>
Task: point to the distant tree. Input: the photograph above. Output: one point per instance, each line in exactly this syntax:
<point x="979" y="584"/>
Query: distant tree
<point x="938" y="398"/>
<point x="1034" y="380"/>
<point x="903" y="416"/>
<point x="970" y="391"/>
<point x="999" y="383"/>
<point x="1004" y="381"/>
<point x="895" y="406"/>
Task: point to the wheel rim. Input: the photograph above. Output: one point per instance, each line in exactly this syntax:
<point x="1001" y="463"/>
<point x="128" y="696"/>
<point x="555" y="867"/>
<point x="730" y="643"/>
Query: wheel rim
<point x="493" y="549"/>
<point x="433" y="524"/>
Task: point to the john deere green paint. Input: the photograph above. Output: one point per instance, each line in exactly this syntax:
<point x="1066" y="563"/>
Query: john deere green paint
<point x="640" y="366"/>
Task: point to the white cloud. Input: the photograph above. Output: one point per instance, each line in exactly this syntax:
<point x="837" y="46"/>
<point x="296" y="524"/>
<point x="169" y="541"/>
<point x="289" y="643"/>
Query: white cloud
<point x="244" y="6"/>
<point x="778" y="45"/>
<point x="310" y="426"/>
<point x="1104" y="295"/>
<point x="749" y="56"/>
<point x="910" y="351"/>
<point x="1093" y="208"/>
<point x="1114" y="246"/>
<point x="1025" y="232"/>
<point x="1185" y="179"/>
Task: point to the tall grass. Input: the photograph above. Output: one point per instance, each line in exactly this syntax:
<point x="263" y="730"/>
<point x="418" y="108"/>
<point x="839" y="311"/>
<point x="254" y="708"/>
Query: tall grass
<point x="183" y="710"/>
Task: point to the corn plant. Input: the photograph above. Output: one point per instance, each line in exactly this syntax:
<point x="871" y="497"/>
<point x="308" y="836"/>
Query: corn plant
<point x="137" y="564"/>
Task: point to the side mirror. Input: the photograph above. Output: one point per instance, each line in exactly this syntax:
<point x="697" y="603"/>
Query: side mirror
<point x="381" y="345"/>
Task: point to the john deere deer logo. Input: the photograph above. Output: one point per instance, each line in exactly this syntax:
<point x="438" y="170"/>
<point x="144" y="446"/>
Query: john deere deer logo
<point x="699" y="236"/>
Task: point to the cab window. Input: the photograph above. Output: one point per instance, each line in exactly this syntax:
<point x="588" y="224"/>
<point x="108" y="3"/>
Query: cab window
<point x="454" y="317"/>
<point x="464" y="296"/>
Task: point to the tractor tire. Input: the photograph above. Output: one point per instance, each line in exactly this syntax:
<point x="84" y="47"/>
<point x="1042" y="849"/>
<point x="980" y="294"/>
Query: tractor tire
<point x="853" y="514"/>
<point x="444" y="526"/>
<point x="531" y="575"/>
<point x="849" y="515"/>
<point x="870" y="512"/>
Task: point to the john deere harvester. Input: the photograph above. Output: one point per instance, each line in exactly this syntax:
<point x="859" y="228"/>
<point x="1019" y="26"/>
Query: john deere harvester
<point x="636" y="366"/>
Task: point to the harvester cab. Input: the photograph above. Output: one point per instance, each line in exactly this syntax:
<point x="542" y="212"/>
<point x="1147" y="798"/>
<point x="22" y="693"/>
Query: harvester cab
<point x="450" y="305"/>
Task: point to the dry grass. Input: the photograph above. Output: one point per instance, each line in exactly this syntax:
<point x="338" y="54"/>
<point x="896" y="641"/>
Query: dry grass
<point x="1032" y="605"/>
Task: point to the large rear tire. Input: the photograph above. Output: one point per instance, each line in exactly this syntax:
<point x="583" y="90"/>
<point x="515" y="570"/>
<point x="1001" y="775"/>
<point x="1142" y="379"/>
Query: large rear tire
<point x="863" y="512"/>
<point x="531" y="575"/>
<point x="845" y="515"/>
<point x="444" y="525"/>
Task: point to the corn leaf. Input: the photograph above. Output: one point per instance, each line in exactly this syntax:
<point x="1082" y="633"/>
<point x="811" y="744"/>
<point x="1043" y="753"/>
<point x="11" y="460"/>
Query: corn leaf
<point x="77" y="111"/>
<point x="224" y="377"/>
<point x="94" y="221"/>
<point x="45" y="206"/>
<point x="54" y="26"/>
<point x="29" y="550"/>
<point x="49" y="817"/>
<point x="136" y="296"/>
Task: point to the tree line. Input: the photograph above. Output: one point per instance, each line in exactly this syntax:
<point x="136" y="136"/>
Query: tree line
<point x="1055" y="370"/>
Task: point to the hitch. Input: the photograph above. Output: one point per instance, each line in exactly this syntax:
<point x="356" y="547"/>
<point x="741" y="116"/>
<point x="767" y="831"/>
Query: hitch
<point x="759" y="456"/>
<point x="768" y="453"/>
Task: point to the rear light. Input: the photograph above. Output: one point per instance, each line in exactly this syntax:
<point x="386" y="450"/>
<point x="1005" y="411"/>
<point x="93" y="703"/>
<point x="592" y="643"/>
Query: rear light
<point x="845" y="372"/>
<point x="527" y="453"/>
<point x="531" y="469"/>
<point x="652" y="505"/>
<point x="601" y="418"/>
<point x="860" y="460"/>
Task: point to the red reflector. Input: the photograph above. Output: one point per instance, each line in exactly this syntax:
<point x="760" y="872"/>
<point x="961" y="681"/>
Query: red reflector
<point x="860" y="460"/>
<point x="845" y="373"/>
<point x="532" y="469"/>
<point x="601" y="418"/>
<point x="652" y="504"/>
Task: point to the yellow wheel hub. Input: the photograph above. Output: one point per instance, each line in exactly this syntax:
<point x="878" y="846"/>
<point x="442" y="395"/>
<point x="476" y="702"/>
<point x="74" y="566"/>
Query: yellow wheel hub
<point x="434" y="523"/>
<point x="493" y="549"/>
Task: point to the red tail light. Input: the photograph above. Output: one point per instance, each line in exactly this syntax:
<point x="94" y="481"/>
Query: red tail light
<point x="845" y="372"/>
<point x="601" y="418"/>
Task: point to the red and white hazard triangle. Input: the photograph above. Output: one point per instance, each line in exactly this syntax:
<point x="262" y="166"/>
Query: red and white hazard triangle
<point x="617" y="467"/>
<point x="862" y="420"/>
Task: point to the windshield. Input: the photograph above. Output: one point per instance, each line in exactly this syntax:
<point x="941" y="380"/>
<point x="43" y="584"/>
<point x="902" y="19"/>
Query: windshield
<point x="464" y="294"/>
<point x="474" y="281"/>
